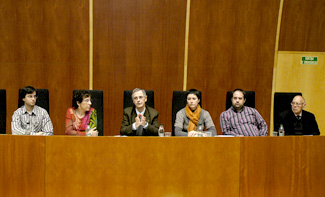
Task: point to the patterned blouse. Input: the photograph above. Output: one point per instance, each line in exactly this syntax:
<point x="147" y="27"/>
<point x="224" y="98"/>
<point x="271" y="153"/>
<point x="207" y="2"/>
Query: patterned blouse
<point x="77" y="126"/>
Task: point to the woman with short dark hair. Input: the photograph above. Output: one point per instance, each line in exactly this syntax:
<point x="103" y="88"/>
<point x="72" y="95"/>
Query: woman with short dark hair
<point x="192" y="119"/>
<point x="81" y="117"/>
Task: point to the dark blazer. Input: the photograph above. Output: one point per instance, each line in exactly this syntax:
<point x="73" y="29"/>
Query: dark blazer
<point x="129" y="116"/>
<point x="289" y="120"/>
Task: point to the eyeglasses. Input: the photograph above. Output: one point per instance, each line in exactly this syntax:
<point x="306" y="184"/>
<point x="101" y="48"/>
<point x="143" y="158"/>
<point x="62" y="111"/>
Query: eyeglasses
<point x="136" y="98"/>
<point x="298" y="104"/>
<point x="87" y="100"/>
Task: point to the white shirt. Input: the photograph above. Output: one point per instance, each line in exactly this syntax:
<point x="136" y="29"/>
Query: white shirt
<point x="142" y="113"/>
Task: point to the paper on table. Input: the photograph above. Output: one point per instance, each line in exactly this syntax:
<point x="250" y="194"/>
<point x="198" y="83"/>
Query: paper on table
<point x="224" y="136"/>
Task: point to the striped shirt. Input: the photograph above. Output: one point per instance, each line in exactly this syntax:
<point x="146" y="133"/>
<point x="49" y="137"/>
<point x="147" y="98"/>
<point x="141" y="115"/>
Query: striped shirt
<point x="247" y="122"/>
<point x="24" y="123"/>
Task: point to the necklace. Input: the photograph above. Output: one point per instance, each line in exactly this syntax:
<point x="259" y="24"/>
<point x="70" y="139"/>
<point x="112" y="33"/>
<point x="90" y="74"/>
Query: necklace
<point x="79" y="116"/>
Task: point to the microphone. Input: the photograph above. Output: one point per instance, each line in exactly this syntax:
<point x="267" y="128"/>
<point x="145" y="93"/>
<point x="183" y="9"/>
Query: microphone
<point x="139" y="130"/>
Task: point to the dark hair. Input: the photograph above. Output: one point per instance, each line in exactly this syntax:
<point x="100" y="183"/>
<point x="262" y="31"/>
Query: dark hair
<point x="240" y="90"/>
<point x="195" y="92"/>
<point x="27" y="90"/>
<point x="79" y="95"/>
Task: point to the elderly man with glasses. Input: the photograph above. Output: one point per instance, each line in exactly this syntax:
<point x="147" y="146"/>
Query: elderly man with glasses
<point x="298" y="121"/>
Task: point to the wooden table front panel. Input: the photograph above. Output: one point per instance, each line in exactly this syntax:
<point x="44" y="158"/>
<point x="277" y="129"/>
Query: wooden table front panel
<point x="282" y="166"/>
<point x="22" y="162"/>
<point x="142" y="166"/>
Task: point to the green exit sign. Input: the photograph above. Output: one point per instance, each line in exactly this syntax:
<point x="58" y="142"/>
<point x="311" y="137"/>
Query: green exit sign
<point x="309" y="60"/>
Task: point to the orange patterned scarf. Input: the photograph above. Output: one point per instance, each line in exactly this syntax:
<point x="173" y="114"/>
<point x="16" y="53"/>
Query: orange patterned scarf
<point x="193" y="116"/>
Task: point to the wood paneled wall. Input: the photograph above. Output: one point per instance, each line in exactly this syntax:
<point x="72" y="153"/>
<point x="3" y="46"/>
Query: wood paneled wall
<point x="231" y="45"/>
<point x="138" y="44"/>
<point x="302" y="34"/>
<point x="303" y="26"/>
<point x="142" y="44"/>
<point x="44" y="44"/>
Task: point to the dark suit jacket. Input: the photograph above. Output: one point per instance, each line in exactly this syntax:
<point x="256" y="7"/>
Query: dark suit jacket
<point x="288" y="119"/>
<point x="129" y="116"/>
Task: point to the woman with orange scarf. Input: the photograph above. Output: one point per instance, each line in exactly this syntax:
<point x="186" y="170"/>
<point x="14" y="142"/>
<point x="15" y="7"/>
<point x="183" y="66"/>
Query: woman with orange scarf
<point x="192" y="119"/>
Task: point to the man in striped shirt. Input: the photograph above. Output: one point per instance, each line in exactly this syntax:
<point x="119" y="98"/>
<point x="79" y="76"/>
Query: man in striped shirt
<point x="240" y="120"/>
<point x="31" y="119"/>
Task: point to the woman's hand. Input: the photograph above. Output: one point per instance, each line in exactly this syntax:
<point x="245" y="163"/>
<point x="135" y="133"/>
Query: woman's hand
<point x="196" y="134"/>
<point x="192" y="134"/>
<point x="93" y="131"/>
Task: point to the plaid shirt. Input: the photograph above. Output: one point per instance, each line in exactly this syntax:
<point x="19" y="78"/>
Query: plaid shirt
<point x="24" y="123"/>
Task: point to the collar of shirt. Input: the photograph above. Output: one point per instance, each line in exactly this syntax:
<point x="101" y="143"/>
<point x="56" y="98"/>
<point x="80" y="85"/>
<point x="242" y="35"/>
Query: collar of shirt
<point x="142" y="113"/>
<point x="242" y="109"/>
<point x="25" y="110"/>
<point x="298" y="114"/>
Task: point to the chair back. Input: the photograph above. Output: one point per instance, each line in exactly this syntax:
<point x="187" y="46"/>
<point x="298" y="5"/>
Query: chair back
<point x="179" y="102"/>
<point x="42" y="99"/>
<point x="3" y="111"/>
<point x="97" y="103"/>
<point x="282" y="102"/>
<point x="128" y="99"/>
<point x="250" y="99"/>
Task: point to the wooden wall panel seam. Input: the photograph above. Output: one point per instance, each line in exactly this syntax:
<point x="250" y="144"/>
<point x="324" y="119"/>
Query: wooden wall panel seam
<point x="275" y="63"/>
<point x="91" y="44"/>
<point x="187" y="28"/>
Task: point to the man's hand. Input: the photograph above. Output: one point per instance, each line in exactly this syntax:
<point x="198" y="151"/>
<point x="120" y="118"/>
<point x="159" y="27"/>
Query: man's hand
<point x="137" y="121"/>
<point x="143" y="120"/>
<point x="140" y="120"/>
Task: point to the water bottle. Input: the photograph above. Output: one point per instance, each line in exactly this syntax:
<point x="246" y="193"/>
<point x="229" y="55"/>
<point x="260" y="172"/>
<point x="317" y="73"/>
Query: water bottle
<point x="281" y="130"/>
<point x="87" y="131"/>
<point x="199" y="128"/>
<point x="161" y="131"/>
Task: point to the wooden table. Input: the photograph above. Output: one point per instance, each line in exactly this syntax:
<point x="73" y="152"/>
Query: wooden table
<point x="170" y="166"/>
